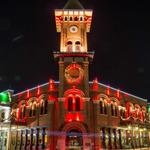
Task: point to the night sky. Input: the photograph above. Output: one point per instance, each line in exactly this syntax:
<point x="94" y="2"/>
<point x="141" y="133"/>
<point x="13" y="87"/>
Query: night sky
<point x="120" y="37"/>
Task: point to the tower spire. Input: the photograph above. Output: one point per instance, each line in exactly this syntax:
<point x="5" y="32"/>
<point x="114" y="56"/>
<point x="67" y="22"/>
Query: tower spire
<point x="73" y="4"/>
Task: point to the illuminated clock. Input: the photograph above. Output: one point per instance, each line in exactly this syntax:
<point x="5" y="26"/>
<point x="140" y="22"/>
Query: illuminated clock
<point x="73" y="29"/>
<point x="74" y="74"/>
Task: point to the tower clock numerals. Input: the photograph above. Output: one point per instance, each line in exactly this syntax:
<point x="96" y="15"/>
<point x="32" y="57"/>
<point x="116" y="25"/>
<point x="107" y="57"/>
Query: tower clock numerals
<point x="73" y="29"/>
<point x="74" y="74"/>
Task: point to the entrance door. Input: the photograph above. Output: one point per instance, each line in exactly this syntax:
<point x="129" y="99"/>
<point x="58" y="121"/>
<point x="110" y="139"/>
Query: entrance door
<point x="74" y="140"/>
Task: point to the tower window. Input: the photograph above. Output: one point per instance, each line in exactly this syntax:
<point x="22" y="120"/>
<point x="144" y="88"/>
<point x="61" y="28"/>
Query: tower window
<point x="66" y="18"/>
<point x="70" y="18"/>
<point x="81" y="18"/>
<point x="77" y="43"/>
<point x="70" y="104"/>
<point x="69" y="46"/>
<point x="77" y="100"/>
<point x="77" y="46"/>
<point x="76" y="19"/>
<point x="69" y="43"/>
<point x="74" y="103"/>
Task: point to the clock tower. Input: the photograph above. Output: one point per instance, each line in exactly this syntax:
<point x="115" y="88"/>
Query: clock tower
<point x="73" y="23"/>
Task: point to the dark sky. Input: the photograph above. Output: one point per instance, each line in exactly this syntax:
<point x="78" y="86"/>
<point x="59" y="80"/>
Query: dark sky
<point x="119" y="36"/>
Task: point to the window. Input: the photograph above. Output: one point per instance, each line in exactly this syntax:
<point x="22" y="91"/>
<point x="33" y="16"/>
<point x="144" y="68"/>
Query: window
<point x="70" y="18"/>
<point x="40" y="137"/>
<point x="43" y="107"/>
<point x="70" y="104"/>
<point x="33" y="136"/>
<point x="77" y="46"/>
<point x="112" y="109"/>
<point x="103" y="107"/>
<point x="28" y="137"/>
<point x="44" y="138"/>
<point x="116" y="110"/>
<point x="103" y="137"/>
<point x="77" y="100"/>
<point x="18" y="138"/>
<point x="74" y="103"/>
<point x="81" y="18"/>
<point x="76" y="19"/>
<point x="23" y="136"/>
<point x="109" y="138"/>
<point x="66" y="18"/>
<point x="3" y="116"/>
<point x="32" y="111"/>
<point x="69" y="46"/>
<point x="22" y="111"/>
<point x="122" y="113"/>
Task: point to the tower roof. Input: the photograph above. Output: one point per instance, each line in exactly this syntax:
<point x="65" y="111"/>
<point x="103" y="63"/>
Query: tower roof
<point x="73" y="4"/>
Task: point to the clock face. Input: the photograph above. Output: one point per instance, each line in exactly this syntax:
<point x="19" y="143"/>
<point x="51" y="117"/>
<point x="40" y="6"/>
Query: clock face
<point x="74" y="73"/>
<point x="73" y="29"/>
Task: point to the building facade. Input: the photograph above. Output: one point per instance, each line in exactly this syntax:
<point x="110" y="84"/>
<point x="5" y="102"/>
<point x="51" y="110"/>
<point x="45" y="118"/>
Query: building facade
<point x="75" y="113"/>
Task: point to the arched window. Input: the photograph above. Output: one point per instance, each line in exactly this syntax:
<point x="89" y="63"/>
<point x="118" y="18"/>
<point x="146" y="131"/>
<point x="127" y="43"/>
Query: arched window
<point x="22" y="111"/>
<point x="74" y="103"/>
<point x="66" y="18"/>
<point x="81" y="18"/>
<point x="112" y="109"/>
<point x="77" y="102"/>
<point x="105" y="108"/>
<point x="76" y="19"/>
<point x="70" y="104"/>
<point x="41" y="107"/>
<point x="101" y="107"/>
<point x="70" y="18"/>
<point x="116" y="110"/>
<point x="45" y="106"/>
<point x="32" y="111"/>
<point x="77" y="46"/>
<point x="69" y="46"/>
<point x="122" y="113"/>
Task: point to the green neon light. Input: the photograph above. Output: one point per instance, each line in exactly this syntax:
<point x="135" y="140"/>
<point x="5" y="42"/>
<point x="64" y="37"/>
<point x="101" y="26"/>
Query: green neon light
<point x="4" y="97"/>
